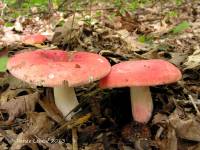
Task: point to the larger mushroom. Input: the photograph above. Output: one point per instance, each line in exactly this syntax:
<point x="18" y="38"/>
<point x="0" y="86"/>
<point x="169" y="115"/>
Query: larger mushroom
<point x="61" y="70"/>
<point x="139" y="75"/>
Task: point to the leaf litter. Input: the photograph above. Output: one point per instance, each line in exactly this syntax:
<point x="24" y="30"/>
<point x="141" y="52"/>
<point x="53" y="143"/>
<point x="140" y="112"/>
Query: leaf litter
<point x="169" y="32"/>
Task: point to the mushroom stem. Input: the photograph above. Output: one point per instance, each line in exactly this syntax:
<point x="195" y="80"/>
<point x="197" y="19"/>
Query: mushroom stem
<point x="65" y="99"/>
<point x="141" y="102"/>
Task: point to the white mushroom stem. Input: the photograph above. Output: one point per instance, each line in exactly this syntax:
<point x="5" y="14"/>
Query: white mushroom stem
<point x="142" y="104"/>
<point x="65" y="99"/>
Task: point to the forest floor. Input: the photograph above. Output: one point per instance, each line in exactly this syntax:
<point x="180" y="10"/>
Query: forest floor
<point x="163" y="30"/>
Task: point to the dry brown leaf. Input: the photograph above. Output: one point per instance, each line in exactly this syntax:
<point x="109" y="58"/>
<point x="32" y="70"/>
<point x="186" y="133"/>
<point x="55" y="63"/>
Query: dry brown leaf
<point x="20" y="105"/>
<point x="39" y="127"/>
<point x="170" y="142"/>
<point x="51" y="110"/>
<point x="9" y="36"/>
<point x="131" y="40"/>
<point x="159" y="118"/>
<point x="15" y="86"/>
<point x="160" y="28"/>
<point x="69" y="31"/>
<point x="14" y="83"/>
<point x="18" y="24"/>
<point x="3" y="146"/>
<point x="39" y="124"/>
<point x="10" y="94"/>
<point x="18" y="142"/>
<point x="96" y="146"/>
<point x="8" y="135"/>
<point x="193" y="61"/>
<point x="197" y="147"/>
<point x="187" y="128"/>
<point x="22" y="140"/>
<point x="177" y="58"/>
<point x="56" y="146"/>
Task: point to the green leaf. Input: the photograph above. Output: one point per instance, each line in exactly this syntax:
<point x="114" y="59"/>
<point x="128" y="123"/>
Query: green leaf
<point x="122" y="11"/>
<point x="3" y="63"/>
<point x="142" y="39"/>
<point x="179" y="2"/>
<point x="133" y="5"/>
<point x="145" y="39"/>
<point x="181" y="27"/>
<point x="9" y="24"/>
<point x="98" y="14"/>
<point x="172" y="14"/>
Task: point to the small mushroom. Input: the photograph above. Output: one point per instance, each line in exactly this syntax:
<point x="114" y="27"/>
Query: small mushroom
<point x="139" y="75"/>
<point x="34" y="39"/>
<point x="61" y="70"/>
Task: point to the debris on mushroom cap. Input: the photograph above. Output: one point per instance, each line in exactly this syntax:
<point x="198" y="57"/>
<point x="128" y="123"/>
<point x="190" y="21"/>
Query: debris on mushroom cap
<point x="141" y="73"/>
<point x="56" y="67"/>
<point x="34" y="39"/>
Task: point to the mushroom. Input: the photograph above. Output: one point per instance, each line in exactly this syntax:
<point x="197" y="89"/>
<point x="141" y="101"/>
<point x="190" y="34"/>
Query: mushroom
<point x="139" y="75"/>
<point x="61" y="70"/>
<point x="34" y="39"/>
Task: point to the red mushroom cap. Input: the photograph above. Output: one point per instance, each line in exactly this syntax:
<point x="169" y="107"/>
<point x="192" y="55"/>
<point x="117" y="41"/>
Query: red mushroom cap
<point x="34" y="39"/>
<point x="141" y="73"/>
<point x="56" y="67"/>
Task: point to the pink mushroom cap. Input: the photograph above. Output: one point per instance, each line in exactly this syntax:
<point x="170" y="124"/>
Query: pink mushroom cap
<point x="34" y="39"/>
<point x="141" y="73"/>
<point x="52" y="68"/>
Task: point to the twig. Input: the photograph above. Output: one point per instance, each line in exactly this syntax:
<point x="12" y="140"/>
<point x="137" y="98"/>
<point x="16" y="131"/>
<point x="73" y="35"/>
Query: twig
<point x="90" y="8"/>
<point x="68" y="46"/>
<point x="80" y="10"/>
<point x="194" y="104"/>
<point x="187" y="102"/>
<point x="70" y="124"/>
<point x="74" y="139"/>
<point x="2" y="8"/>
<point x="159" y="132"/>
<point x="8" y="137"/>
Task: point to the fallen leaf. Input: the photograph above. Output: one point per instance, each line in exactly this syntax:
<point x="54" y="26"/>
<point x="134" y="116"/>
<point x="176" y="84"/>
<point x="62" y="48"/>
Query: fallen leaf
<point x="9" y="36"/>
<point x="3" y="146"/>
<point x="170" y="141"/>
<point x="3" y="63"/>
<point x="14" y="89"/>
<point x="18" y="24"/>
<point x="8" y="135"/>
<point x="197" y="147"/>
<point x="13" y="82"/>
<point x="22" y="140"/>
<point x="160" y="27"/>
<point x="39" y="127"/>
<point x="39" y="124"/>
<point x="10" y="94"/>
<point x="56" y="146"/>
<point x="177" y="58"/>
<point x="69" y="31"/>
<point x="186" y="129"/>
<point x="51" y="110"/>
<point x="131" y="40"/>
<point x="96" y="146"/>
<point x="180" y="27"/>
<point x="20" y="105"/>
<point x="159" y="118"/>
<point x="193" y="61"/>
